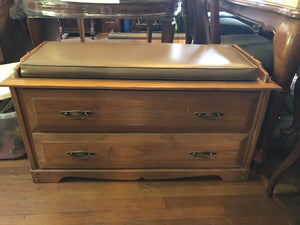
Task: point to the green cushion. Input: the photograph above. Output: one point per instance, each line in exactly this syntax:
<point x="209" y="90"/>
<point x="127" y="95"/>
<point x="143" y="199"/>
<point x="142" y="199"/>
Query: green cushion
<point x="259" y="47"/>
<point x="229" y="26"/>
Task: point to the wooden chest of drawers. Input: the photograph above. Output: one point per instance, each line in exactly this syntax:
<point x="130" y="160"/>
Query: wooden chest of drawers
<point x="124" y="129"/>
<point x="139" y="111"/>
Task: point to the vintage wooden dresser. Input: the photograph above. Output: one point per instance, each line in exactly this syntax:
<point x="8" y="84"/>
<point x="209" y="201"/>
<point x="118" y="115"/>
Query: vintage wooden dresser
<point x="131" y="111"/>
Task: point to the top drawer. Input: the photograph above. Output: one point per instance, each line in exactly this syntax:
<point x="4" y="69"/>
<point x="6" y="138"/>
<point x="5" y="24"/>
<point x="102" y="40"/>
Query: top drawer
<point x="138" y="111"/>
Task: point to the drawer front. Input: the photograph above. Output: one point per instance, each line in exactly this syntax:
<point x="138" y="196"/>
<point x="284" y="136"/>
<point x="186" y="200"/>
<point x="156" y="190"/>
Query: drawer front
<point x="138" y="150"/>
<point x="138" y="111"/>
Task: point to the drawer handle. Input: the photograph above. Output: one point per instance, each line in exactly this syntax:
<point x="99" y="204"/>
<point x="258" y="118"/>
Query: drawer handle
<point x="76" y="114"/>
<point x="209" y="115"/>
<point x="203" y="155"/>
<point x="81" y="154"/>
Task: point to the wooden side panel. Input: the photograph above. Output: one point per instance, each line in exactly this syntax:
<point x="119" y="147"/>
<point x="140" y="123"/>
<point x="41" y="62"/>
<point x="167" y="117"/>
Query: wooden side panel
<point x="23" y="127"/>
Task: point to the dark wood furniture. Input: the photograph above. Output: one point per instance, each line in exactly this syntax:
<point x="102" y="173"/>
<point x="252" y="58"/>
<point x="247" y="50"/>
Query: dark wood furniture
<point x="4" y="12"/>
<point x="284" y="21"/>
<point x="14" y="36"/>
<point x="164" y="10"/>
<point x="294" y="155"/>
<point x="198" y="28"/>
<point x="109" y="25"/>
<point x="91" y="26"/>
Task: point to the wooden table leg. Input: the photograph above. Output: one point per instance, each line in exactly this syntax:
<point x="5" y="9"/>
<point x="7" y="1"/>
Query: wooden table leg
<point x="295" y="153"/>
<point x="149" y="30"/>
<point x="168" y="30"/>
<point x="286" y="62"/>
<point x="272" y="114"/>
<point x="188" y="15"/>
<point x="43" y="29"/>
<point x="201" y="23"/>
<point x="35" y="31"/>
<point x="287" y="163"/>
<point x="197" y="23"/>
<point x="215" y="22"/>
<point x="80" y="24"/>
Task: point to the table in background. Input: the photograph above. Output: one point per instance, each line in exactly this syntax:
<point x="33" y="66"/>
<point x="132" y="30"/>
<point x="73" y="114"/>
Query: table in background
<point x="294" y="155"/>
<point x="164" y="10"/>
<point x="284" y="21"/>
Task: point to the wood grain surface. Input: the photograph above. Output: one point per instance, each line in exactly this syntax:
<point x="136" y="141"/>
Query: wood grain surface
<point x="191" y="201"/>
<point x="139" y="111"/>
<point x="133" y="151"/>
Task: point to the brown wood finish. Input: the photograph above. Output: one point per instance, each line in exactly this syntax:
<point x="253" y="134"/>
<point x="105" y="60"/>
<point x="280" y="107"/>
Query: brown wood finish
<point x="140" y="128"/>
<point x="81" y="28"/>
<point x="175" y="202"/>
<point x="139" y="111"/>
<point x="35" y="25"/>
<point x="164" y="10"/>
<point x="215" y="22"/>
<point x="286" y="42"/>
<point x="293" y="130"/>
<point x="5" y="6"/>
<point x="42" y="151"/>
<point x="14" y="36"/>
<point x="198" y="28"/>
<point x="70" y="26"/>
<point x="56" y="175"/>
<point x="106" y="84"/>
<point x="43" y="29"/>
<point x="283" y="167"/>
<point x="137" y="150"/>
<point x="26" y="134"/>
<point x="286" y="36"/>
<point x="109" y="25"/>
<point x="196" y="22"/>
<point x="259" y="117"/>
<point x="284" y="7"/>
<point x="149" y="30"/>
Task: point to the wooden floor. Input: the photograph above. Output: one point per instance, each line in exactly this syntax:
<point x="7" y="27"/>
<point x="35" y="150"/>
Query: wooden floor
<point x="199" y="201"/>
<point x="202" y="201"/>
<point x="205" y="201"/>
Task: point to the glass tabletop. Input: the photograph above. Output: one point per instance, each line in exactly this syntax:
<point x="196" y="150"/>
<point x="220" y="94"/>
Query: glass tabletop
<point x="123" y="9"/>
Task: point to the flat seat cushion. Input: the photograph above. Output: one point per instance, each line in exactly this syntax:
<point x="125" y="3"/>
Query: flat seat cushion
<point x="229" y="25"/>
<point x="138" y="61"/>
<point x="259" y="47"/>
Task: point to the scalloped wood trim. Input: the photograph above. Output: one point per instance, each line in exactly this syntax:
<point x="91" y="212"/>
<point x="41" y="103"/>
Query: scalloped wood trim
<point x="45" y="176"/>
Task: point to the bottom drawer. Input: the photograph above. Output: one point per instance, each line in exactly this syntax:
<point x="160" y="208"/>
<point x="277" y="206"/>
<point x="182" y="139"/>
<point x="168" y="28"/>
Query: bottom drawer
<point x="138" y="150"/>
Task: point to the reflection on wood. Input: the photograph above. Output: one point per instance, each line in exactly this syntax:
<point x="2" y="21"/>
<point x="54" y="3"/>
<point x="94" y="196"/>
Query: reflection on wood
<point x="285" y="3"/>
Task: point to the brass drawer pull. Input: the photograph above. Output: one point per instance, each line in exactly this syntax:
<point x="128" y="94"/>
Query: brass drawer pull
<point x="76" y="114"/>
<point x="209" y="115"/>
<point x="203" y="155"/>
<point x="81" y="154"/>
